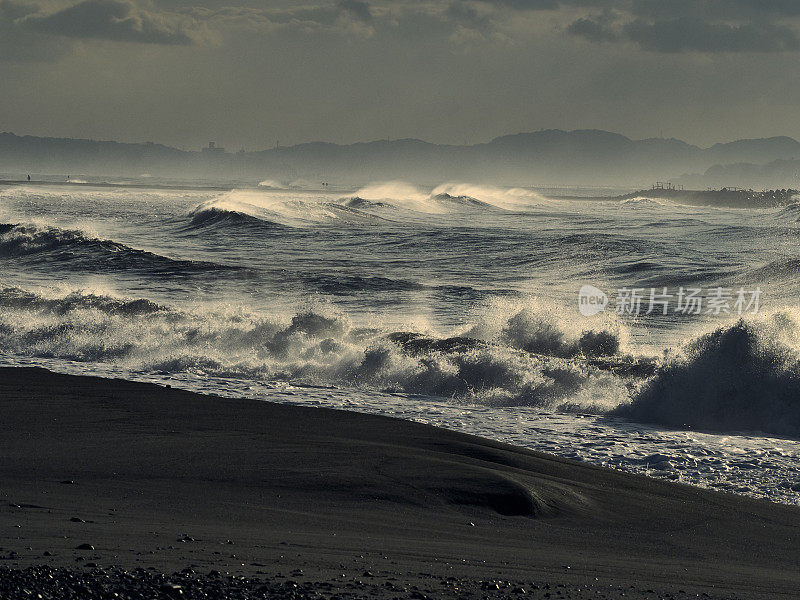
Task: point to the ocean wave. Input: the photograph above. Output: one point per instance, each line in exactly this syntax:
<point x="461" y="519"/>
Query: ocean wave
<point x="593" y="244"/>
<point x="676" y="222"/>
<point x="213" y="217"/>
<point x="338" y="285"/>
<point x="73" y="249"/>
<point x="448" y="197"/>
<point x="790" y="211"/>
<point x="742" y="377"/>
<point x="18" y="299"/>
<point x="641" y="202"/>
<point x="399" y="194"/>
<point x="390" y="202"/>
<point x="463" y="200"/>
<point x="358" y="202"/>
<point x="521" y="359"/>
<point x="648" y="274"/>
<point x="512" y="199"/>
<point x="534" y="328"/>
<point x="782" y="268"/>
<point x="637" y="266"/>
<point x="272" y="184"/>
<point x="247" y="207"/>
<point x="295" y="184"/>
<point x="342" y="284"/>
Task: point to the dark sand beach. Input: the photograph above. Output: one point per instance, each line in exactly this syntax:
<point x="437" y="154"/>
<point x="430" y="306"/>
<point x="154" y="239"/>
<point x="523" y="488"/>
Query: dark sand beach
<point x="252" y="499"/>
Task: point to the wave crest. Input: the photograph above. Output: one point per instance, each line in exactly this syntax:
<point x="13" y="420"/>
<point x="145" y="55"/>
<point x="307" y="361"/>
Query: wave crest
<point x="790" y="211"/>
<point x="213" y="217"/>
<point x="245" y="207"/>
<point x="745" y="376"/>
<point x="314" y="346"/>
<point x="448" y="197"/>
<point x="75" y="250"/>
<point x="741" y="377"/>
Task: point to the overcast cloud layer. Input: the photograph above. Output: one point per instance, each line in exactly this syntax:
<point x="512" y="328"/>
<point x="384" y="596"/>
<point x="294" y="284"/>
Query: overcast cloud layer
<point x="250" y="73"/>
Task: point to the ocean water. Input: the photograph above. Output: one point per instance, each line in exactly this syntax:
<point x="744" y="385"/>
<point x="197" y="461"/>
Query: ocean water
<point x="456" y="306"/>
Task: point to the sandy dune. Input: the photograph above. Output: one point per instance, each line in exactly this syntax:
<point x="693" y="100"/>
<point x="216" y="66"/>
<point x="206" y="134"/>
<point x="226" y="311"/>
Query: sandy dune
<point x="155" y="477"/>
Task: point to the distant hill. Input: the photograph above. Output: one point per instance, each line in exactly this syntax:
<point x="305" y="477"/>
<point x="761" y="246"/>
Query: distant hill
<point x="781" y="173"/>
<point x="758" y="150"/>
<point x="581" y="157"/>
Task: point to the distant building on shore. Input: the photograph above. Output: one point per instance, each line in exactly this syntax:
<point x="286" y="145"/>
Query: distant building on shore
<point x="212" y="148"/>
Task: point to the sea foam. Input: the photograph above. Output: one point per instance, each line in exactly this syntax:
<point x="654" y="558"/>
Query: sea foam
<point x="743" y="376"/>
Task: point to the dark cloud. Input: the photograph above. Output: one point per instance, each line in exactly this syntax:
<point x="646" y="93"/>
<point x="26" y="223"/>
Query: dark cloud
<point x="665" y="9"/>
<point x="18" y="45"/>
<point x="305" y="18"/>
<point x="593" y="30"/>
<point x="467" y="15"/>
<point x="668" y="26"/>
<point x="691" y="26"/>
<point x="695" y="35"/>
<point x="11" y="11"/>
<point x="298" y="70"/>
<point x="524" y="4"/>
<point x="357" y="8"/>
<point x="118" y="20"/>
<point x="304" y="15"/>
<point x="713" y="9"/>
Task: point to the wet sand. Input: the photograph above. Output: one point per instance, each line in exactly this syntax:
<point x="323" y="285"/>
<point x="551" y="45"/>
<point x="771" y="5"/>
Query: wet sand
<point x="101" y="477"/>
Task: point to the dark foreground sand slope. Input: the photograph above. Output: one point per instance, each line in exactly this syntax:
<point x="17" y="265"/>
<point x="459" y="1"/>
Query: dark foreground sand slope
<point x="365" y="506"/>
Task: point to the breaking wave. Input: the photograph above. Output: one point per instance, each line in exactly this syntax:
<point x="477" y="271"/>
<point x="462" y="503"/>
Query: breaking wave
<point x="514" y="199"/>
<point x="641" y="201"/>
<point x="373" y="204"/>
<point x="742" y="377"/>
<point x="75" y="250"/>
<point x="272" y="184"/>
<point x="213" y="217"/>
<point x="467" y="201"/>
<point x="521" y="359"/>
<point x="358" y="202"/>
<point x="251" y="207"/>
<point x="790" y="211"/>
<point x="21" y="300"/>
<point x="449" y="197"/>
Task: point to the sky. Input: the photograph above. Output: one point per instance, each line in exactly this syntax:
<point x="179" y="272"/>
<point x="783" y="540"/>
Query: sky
<point x="250" y="74"/>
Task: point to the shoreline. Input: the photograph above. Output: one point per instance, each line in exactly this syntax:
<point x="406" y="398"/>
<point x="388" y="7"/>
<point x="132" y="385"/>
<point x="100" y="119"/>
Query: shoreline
<point x="164" y="479"/>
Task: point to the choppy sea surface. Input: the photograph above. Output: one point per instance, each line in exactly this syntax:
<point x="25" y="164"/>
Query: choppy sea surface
<point x="456" y="306"/>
